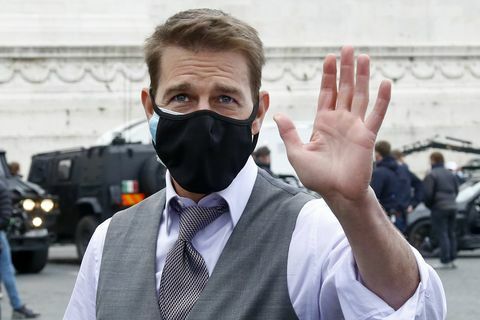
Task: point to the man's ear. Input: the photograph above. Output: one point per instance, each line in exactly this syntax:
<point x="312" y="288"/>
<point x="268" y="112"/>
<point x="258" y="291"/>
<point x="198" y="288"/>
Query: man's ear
<point x="147" y="103"/>
<point x="263" y="104"/>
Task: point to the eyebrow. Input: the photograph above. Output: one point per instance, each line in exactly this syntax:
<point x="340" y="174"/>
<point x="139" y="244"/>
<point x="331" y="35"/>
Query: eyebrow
<point x="186" y="87"/>
<point x="228" y="90"/>
<point x="177" y="88"/>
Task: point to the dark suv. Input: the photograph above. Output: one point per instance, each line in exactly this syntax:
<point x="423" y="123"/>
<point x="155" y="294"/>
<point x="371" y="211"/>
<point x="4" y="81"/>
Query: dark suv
<point x="93" y="183"/>
<point x="419" y="231"/>
<point x="34" y="213"/>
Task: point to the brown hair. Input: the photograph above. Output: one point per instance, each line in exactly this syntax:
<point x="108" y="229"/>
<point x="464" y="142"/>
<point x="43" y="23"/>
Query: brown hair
<point x="206" y="29"/>
<point x="14" y="168"/>
<point x="263" y="151"/>
<point x="397" y="154"/>
<point x="437" y="158"/>
<point x="383" y="147"/>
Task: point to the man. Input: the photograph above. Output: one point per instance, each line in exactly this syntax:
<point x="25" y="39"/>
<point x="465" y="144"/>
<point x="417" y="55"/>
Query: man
<point x="14" y="168"/>
<point x="410" y="188"/>
<point x="224" y="240"/>
<point x="261" y="156"/>
<point x="441" y="189"/>
<point x="7" y="276"/>
<point x="386" y="184"/>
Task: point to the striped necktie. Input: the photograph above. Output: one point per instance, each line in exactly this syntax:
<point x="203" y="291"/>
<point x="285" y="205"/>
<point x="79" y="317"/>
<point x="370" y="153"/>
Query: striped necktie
<point x="185" y="273"/>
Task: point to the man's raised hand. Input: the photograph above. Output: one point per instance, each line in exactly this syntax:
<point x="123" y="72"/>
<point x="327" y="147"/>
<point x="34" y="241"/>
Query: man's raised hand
<point x="337" y="161"/>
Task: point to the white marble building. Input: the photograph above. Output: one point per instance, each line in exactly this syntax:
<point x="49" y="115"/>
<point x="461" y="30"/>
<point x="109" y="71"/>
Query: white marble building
<point x="71" y="70"/>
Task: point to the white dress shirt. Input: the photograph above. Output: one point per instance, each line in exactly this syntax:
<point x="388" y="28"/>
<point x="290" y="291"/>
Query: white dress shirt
<point x="322" y="277"/>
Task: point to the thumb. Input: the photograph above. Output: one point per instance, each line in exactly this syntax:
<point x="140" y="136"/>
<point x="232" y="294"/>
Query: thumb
<point x="288" y="132"/>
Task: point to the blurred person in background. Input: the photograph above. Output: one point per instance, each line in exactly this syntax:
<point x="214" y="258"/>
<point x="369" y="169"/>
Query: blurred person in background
<point x="457" y="172"/>
<point x="14" y="168"/>
<point x="261" y="156"/>
<point x="441" y="189"/>
<point x="411" y="187"/>
<point x="20" y="311"/>
<point x="386" y="184"/>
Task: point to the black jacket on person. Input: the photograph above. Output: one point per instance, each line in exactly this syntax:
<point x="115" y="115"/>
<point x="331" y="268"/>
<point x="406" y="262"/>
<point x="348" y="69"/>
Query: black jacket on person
<point x="5" y="205"/>
<point x="385" y="183"/>
<point x="410" y="191"/>
<point x="441" y="189"/>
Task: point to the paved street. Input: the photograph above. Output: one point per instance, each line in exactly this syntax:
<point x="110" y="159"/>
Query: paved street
<point x="49" y="291"/>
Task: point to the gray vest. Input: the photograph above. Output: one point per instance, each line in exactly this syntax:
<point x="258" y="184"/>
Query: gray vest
<point x="249" y="280"/>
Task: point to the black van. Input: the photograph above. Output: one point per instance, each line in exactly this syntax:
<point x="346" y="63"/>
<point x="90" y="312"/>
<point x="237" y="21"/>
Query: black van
<point x="93" y="183"/>
<point x="34" y="213"/>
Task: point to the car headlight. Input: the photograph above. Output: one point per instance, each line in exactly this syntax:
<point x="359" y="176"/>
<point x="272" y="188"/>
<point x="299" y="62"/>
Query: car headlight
<point x="47" y="205"/>
<point x="28" y="204"/>
<point x="37" y="222"/>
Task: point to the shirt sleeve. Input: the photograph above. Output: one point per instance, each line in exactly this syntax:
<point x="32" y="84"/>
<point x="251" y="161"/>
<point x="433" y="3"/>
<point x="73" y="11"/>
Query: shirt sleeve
<point x="324" y="282"/>
<point x="82" y="305"/>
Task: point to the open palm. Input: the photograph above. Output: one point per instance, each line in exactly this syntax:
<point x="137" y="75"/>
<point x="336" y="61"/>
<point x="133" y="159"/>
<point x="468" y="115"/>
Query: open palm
<point x="337" y="161"/>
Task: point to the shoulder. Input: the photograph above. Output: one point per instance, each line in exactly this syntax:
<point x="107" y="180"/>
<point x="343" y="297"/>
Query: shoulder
<point x="266" y="180"/>
<point x="316" y="212"/>
<point x="93" y="255"/>
<point x="435" y="173"/>
<point x="382" y="173"/>
<point x="403" y="169"/>
<point x="98" y="239"/>
<point x="379" y="169"/>
<point x="283" y="201"/>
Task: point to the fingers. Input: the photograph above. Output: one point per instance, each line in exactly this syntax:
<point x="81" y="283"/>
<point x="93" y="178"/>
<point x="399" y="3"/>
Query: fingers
<point x="360" y="96"/>
<point x="353" y="91"/>
<point x="328" y="89"/>
<point x="346" y="85"/>
<point x="375" y="118"/>
<point x="288" y="133"/>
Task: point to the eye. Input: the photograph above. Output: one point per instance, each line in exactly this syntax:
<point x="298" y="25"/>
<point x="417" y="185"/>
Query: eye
<point x="225" y="99"/>
<point x="180" y="98"/>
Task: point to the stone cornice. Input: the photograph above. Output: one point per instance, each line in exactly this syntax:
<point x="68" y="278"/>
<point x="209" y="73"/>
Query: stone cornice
<point x="92" y="52"/>
<point x="106" y="63"/>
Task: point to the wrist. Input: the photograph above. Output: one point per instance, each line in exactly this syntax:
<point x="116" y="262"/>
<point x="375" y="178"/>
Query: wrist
<point x="341" y="205"/>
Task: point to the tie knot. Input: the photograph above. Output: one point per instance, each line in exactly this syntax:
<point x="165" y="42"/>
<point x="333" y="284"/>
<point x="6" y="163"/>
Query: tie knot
<point x="195" y="218"/>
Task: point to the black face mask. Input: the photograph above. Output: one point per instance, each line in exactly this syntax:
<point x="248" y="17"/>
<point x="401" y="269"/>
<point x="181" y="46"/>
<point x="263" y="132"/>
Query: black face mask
<point x="203" y="150"/>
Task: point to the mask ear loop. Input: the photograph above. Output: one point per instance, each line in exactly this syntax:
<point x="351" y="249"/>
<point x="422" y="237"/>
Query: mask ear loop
<point x="152" y="100"/>
<point x="254" y="142"/>
<point x="252" y="118"/>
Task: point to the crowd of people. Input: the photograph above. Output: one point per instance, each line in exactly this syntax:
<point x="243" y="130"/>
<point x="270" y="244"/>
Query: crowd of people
<point x="400" y="191"/>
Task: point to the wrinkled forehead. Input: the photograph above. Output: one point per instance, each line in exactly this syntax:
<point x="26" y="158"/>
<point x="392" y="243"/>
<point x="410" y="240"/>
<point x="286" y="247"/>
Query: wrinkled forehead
<point x="220" y="67"/>
<point x="177" y="61"/>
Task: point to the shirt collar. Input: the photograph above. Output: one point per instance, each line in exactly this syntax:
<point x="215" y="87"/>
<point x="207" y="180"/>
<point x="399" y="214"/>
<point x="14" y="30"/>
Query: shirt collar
<point x="236" y="194"/>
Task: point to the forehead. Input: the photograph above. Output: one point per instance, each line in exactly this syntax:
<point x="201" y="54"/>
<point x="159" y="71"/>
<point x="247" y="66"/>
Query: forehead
<point x="227" y="67"/>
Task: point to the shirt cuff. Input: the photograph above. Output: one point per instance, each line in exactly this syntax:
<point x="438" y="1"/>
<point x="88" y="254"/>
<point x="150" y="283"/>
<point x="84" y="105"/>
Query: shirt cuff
<point x="358" y="302"/>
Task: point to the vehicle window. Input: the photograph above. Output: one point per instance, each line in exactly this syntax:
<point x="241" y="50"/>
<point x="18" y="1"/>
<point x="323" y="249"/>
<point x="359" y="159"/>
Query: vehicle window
<point x="38" y="171"/>
<point x="2" y="173"/>
<point x="3" y="167"/>
<point x="64" y="169"/>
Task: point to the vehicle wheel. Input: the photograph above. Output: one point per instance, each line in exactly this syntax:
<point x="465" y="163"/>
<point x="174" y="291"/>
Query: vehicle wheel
<point x="85" y="229"/>
<point x="419" y="237"/>
<point x="152" y="176"/>
<point x="32" y="261"/>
